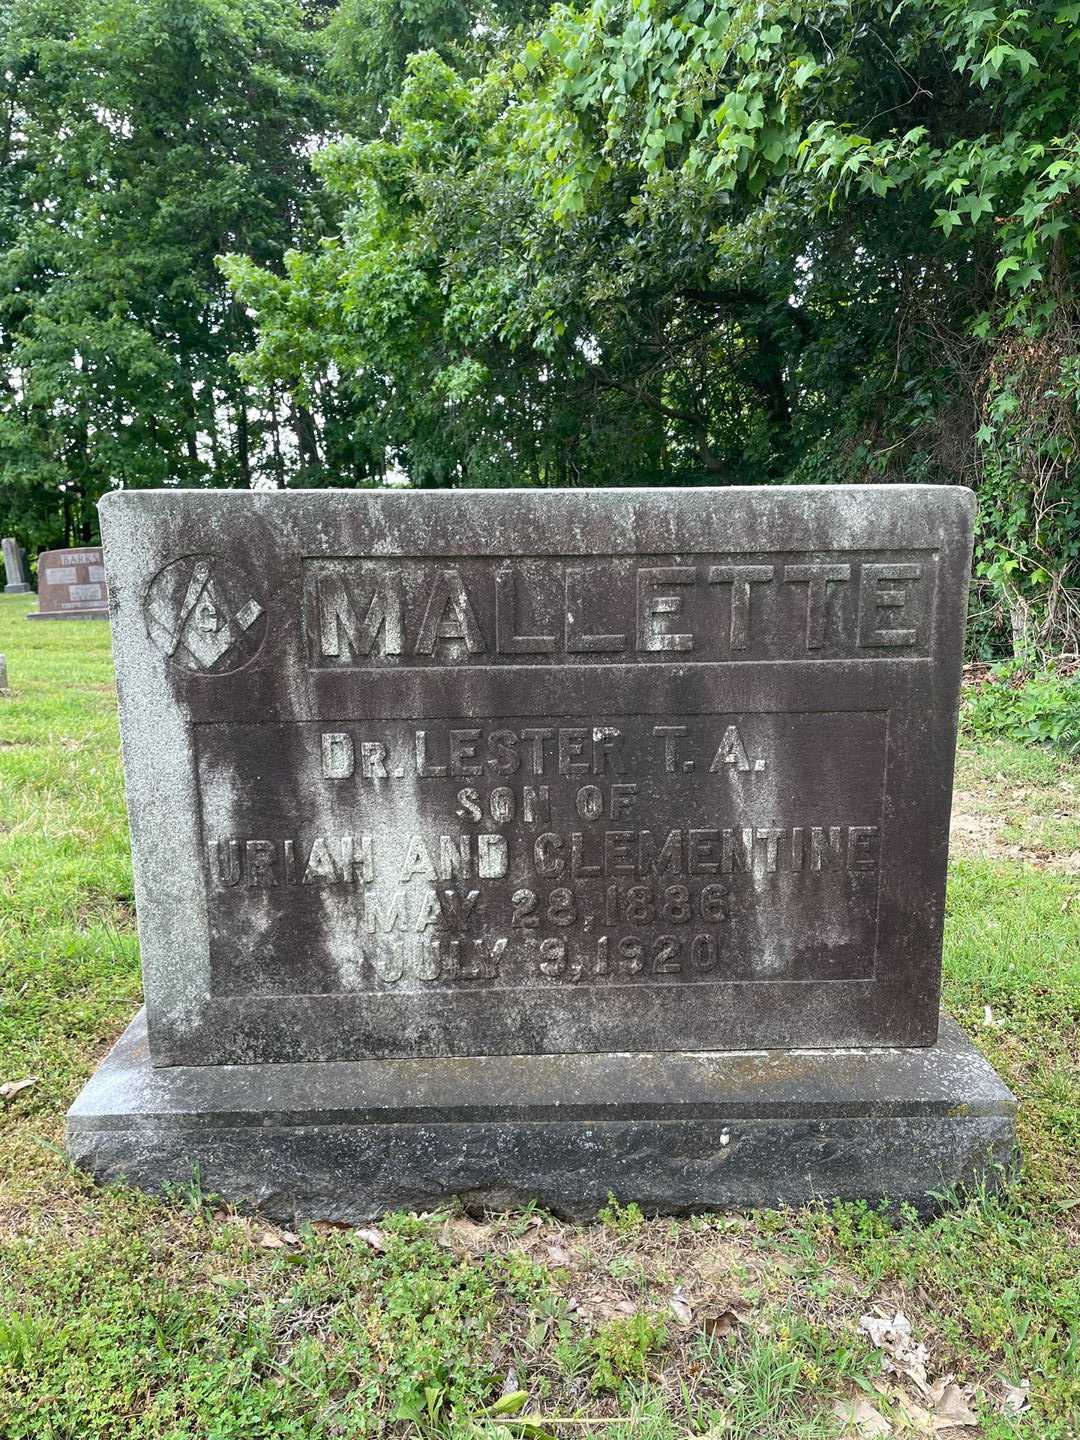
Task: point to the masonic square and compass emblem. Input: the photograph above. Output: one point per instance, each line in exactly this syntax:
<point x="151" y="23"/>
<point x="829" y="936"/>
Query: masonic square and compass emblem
<point x="201" y="614"/>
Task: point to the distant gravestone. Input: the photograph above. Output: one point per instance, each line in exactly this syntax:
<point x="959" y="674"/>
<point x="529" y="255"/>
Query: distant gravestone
<point x="71" y="585"/>
<point x="17" y="577"/>
<point x="3" y="675"/>
<point x="518" y="844"/>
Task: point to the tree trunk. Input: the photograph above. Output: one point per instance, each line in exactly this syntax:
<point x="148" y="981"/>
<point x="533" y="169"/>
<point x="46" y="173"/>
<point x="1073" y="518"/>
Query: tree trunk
<point x="275" y="440"/>
<point x="243" y="441"/>
<point x="303" y="424"/>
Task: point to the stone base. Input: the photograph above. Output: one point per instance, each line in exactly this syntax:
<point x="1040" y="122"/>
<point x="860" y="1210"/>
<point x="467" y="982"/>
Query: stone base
<point x="17" y="589"/>
<point x="673" y="1132"/>
<point x="68" y="615"/>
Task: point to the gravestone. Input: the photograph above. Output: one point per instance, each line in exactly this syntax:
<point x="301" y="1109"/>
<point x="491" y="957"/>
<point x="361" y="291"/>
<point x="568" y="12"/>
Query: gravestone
<point x="71" y="585"/>
<point x="512" y="844"/>
<point x="17" y="577"/>
<point x="3" y="675"/>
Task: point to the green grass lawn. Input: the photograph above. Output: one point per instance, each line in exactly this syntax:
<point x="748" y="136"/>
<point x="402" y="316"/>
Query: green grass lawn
<point x="126" y="1317"/>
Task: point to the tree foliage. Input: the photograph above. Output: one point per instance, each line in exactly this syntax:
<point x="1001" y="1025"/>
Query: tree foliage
<point x="927" y="158"/>
<point x="662" y="243"/>
<point x="138" y="140"/>
<point x="627" y="242"/>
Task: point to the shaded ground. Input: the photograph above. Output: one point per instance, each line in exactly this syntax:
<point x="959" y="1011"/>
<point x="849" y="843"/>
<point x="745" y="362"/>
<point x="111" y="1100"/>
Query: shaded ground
<point x="125" y="1317"/>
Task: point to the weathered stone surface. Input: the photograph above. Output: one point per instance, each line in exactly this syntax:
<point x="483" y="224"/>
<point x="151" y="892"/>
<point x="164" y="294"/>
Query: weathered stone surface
<point x="516" y="846"/>
<point x="16" y="575"/>
<point x="3" y="675"/>
<point x="347" y="1140"/>
<point x="433" y="774"/>
<point x="71" y="585"/>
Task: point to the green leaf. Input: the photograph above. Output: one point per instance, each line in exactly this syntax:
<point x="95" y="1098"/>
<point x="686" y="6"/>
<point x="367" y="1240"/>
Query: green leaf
<point x="508" y="1404"/>
<point x="1004" y="266"/>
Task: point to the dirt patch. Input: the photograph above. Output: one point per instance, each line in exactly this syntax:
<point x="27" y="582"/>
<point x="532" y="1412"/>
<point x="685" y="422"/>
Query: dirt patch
<point x="977" y="833"/>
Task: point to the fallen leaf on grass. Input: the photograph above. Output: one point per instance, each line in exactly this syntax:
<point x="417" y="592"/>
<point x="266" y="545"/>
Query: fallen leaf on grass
<point x="724" y="1322"/>
<point x="11" y="1088"/>
<point x="861" y="1418"/>
<point x="884" y="1332"/>
<point x="329" y="1227"/>
<point x="272" y="1240"/>
<point x="460" y="1231"/>
<point x="952" y="1408"/>
<point x="680" y="1308"/>
<point x="1015" y="1398"/>
<point x="557" y="1255"/>
<point x="949" y="1410"/>
<point x="900" y="1355"/>
<point x="372" y="1237"/>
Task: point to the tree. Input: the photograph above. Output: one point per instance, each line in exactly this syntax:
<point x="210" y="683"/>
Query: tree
<point x="931" y="153"/>
<point x="626" y="242"/>
<point x="662" y="243"/>
<point x="141" y="138"/>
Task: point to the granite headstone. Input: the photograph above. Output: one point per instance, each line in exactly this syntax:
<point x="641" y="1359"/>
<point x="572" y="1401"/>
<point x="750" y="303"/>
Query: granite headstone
<point x="505" y="844"/>
<point x="16" y="575"/>
<point x="71" y="585"/>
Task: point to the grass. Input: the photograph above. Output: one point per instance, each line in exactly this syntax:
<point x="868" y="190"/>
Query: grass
<point x="1019" y="802"/>
<point x="121" y="1316"/>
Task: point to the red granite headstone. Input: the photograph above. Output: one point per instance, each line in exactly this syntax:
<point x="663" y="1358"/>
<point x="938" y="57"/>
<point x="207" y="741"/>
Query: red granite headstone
<point x="71" y="585"/>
